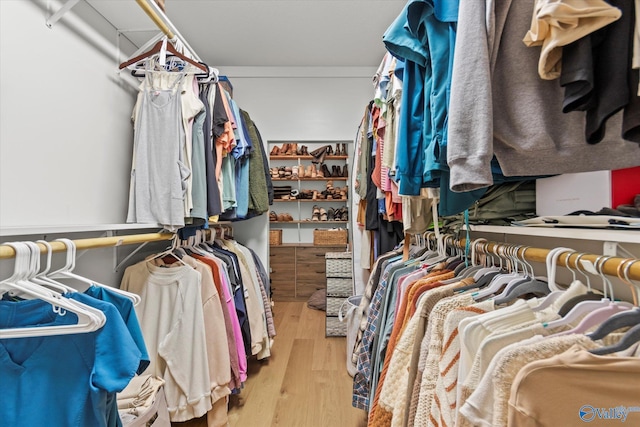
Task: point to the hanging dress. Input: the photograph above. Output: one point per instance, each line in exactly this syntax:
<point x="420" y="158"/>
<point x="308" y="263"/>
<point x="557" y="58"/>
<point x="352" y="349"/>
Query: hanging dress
<point x="158" y="175"/>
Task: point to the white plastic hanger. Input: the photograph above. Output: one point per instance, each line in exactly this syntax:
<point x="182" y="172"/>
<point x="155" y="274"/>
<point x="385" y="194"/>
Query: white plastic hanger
<point x="599" y="315"/>
<point x="89" y="318"/>
<point x="175" y="244"/>
<point x="551" y="262"/>
<point x="66" y="272"/>
<point x="585" y="307"/>
<point x="41" y="277"/>
<point x="626" y="318"/>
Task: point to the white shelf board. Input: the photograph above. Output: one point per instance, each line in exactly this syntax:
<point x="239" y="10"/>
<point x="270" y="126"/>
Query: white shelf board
<point x="602" y="235"/>
<point x="56" y="229"/>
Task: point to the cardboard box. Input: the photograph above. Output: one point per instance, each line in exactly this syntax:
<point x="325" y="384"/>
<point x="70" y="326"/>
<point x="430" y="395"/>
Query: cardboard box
<point x="591" y="191"/>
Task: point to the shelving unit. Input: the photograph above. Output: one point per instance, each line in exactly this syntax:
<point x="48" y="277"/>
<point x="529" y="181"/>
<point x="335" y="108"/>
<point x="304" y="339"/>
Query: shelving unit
<point x="300" y="230"/>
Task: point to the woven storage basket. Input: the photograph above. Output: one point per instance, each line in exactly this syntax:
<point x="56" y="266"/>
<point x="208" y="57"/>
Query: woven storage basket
<point x="335" y="328"/>
<point x="339" y="287"/>
<point x="275" y="237"/>
<point x="324" y="237"/>
<point x="338" y="264"/>
<point x="333" y="305"/>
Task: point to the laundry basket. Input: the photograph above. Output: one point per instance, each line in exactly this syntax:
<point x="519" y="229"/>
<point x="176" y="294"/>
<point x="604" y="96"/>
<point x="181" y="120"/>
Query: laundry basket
<point x="348" y="314"/>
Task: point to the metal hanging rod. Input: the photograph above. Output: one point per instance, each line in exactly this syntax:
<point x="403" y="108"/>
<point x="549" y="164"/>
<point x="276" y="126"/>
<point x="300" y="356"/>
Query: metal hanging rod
<point x="7" y="251"/>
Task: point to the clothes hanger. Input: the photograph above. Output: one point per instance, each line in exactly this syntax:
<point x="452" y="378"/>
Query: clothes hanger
<point x="501" y="280"/>
<point x="67" y="273"/>
<point x="631" y="337"/>
<point x="478" y="274"/>
<point x="89" y="319"/>
<point x="171" y="251"/>
<point x="598" y="316"/>
<point x="627" y="318"/>
<point x="551" y="262"/>
<point x="517" y="288"/>
<point x="584" y="307"/>
<point x="157" y="49"/>
<point x="41" y="277"/>
<point x="590" y="295"/>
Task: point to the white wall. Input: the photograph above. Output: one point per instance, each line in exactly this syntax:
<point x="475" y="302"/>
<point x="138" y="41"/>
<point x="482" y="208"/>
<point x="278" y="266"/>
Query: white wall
<point x="66" y="134"/>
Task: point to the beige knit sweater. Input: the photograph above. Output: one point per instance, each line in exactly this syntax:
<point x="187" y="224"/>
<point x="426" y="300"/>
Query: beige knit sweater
<point x="430" y="374"/>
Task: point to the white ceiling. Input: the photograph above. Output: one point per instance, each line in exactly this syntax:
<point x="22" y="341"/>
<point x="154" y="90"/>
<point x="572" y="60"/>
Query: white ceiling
<point x="286" y="33"/>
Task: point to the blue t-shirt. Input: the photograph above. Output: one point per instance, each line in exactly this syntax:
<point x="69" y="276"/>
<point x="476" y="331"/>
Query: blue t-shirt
<point x="126" y="309"/>
<point x="62" y="380"/>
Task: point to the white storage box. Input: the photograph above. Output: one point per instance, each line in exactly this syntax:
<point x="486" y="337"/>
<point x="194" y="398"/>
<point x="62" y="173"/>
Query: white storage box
<point x="590" y="191"/>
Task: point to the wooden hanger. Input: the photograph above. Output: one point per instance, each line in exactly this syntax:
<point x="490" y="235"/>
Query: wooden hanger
<point x="171" y="49"/>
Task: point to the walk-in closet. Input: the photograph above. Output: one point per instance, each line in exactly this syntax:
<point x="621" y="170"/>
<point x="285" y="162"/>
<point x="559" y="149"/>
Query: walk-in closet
<point x="291" y="213"/>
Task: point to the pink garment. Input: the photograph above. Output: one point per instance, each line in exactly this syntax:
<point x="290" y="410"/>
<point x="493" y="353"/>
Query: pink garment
<point x="242" y="355"/>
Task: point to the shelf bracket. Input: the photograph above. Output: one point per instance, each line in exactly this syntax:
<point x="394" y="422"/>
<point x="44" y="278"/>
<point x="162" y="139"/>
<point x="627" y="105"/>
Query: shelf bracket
<point x="615" y="248"/>
<point x="51" y="21"/>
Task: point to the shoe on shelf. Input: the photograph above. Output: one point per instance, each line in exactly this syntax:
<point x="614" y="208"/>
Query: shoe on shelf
<point x="304" y="151"/>
<point x="325" y="171"/>
<point x="323" y="214"/>
<point x="291" y="149"/>
<point x="319" y="154"/>
<point x="294" y="172"/>
<point x="287" y="216"/>
<point x="331" y="214"/>
<point x="275" y="150"/>
<point x="273" y="216"/>
<point x="345" y="171"/>
<point x="315" y="213"/>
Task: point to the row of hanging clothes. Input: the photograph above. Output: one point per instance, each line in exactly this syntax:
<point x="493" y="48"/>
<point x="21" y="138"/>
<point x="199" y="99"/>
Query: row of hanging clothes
<point x="205" y="310"/>
<point x="197" y="156"/>
<point x="475" y="94"/>
<point x="447" y="342"/>
<point x="170" y="344"/>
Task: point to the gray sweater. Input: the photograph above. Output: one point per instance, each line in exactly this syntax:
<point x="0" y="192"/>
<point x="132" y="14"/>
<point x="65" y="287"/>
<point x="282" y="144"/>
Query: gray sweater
<point x="500" y="105"/>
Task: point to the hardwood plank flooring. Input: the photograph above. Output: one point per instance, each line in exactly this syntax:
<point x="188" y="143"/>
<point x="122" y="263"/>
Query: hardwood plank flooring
<point x="303" y="384"/>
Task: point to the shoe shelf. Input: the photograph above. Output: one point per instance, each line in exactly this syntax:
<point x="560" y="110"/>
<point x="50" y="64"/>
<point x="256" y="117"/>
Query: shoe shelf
<point x="305" y="157"/>
<point x="309" y="200"/>
<point x="295" y="157"/>
<point x="330" y="178"/>
<point x="308" y="221"/>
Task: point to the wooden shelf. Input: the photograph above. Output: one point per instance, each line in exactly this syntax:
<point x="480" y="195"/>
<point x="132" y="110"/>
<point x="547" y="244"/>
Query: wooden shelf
<point x="310" y="200"/>
<point x="329" y="178"/>
<point x="296" y="157"/>
<point x="308" y="222"/>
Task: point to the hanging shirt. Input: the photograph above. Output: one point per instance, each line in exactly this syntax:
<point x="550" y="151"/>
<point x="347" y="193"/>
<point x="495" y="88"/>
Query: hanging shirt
<point x="63" y="380"/>
<point x="177" y="343"/>
<point x="159" y="174"/>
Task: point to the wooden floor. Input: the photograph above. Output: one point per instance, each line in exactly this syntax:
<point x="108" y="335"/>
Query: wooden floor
<point x="303" y="384"/>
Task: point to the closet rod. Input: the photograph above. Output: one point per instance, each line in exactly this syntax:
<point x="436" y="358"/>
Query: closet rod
<point x="609" y="266"/>
<point x="7" y="251"/>
<point x="164" y="24"/>
<point x="144" y="4"/>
